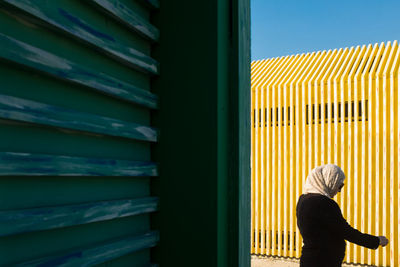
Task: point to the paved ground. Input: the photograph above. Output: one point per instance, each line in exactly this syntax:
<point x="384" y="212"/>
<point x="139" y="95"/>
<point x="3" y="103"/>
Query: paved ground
<point x="257" y="261"/>
<point x="273" y="262"/>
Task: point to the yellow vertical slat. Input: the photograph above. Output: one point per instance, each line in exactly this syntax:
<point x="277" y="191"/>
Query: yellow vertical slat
<point x="256" y="170"/>
<point x="259" y="191"/>
<point x="332" y="108"/>
<point x="371" y="154"/>
<point x="386" y="149"/>
<point x="336" y="107"/>
<point x="397" y="76"/>
<point x="365" y="182"/>
<point x="343" y="129"/>
<point x="254" y="143"/>
<point x="254" y="67"/>
<point x="337" y="98"/>
<point x="345" y="143"/>
<point x="292" y="162"/>
<point x="255" y="188"/>
<point x="262" y="171"/>
<point x="312" y="111"/>
<point x="380" y="177"/>
<point x="252" y="172"/>
<point x="342" y="119"/>
<point x="310" y="114"/>
<point x="339" y="109"/>
<point x="397" y="163"/>
<point x="284" y="209"/>
<point x="374" y="128"/>
<point x="356" y="136"/>
<point x="394" y="143"/>
<point x="351" y="180"/>
<point x="318" y="111"/>
<point x="360" y="146"/>
<point x="359" y="175"/>
<point x="266" y="248"/>
<point x="273" y="168"/>
<point x="268" y="172"/>
<point x="365" y="190"/>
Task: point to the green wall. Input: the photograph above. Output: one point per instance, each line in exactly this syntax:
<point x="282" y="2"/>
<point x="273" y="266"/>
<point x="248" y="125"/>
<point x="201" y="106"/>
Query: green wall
<point x="125" y="133"/>
<point x="75" y="168"/>
<point x="204" y="141"/>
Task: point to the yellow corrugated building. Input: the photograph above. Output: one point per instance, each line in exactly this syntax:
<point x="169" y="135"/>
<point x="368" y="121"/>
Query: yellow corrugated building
<point x="337" y="106"/>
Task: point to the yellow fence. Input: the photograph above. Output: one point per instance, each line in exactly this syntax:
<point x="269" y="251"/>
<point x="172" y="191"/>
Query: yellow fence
<point x="339" y="106"/>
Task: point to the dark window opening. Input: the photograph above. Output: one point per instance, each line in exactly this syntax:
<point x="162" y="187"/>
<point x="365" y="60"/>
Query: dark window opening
<point x="284" y="117"/>
<point x="348" y="109"/>
<point x="270" y="245"/>
<point x="318" y="113"/>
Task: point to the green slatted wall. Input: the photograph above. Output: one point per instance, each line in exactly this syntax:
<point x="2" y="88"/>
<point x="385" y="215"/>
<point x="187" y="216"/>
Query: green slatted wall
<point x="75" y="133"/>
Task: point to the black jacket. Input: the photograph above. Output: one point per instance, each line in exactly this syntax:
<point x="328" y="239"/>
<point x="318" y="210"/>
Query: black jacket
<point x="324" y="230"/>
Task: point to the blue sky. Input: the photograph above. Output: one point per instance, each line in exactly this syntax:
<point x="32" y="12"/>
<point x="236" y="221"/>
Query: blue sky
<point x="286" y="27"/>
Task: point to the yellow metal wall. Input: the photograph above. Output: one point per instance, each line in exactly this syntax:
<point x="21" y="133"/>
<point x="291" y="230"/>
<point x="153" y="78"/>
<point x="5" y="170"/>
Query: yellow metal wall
<point x="340" y="107"/>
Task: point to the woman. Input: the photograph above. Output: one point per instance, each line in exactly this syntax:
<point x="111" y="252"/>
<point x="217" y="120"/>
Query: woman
<point x="321" y="224"/>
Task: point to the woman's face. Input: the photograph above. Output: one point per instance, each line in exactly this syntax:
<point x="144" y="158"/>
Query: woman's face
<point x="339" y="189"/>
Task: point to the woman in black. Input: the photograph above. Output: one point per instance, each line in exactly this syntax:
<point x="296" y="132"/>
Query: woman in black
<point x="321" y="224"/>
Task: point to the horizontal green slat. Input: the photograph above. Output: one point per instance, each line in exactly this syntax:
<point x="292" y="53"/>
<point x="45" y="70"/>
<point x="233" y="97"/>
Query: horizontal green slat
<point x="61" y="20"/>
<point x="98" y="254"/>
<point x="38" y="59"/>
<point x="36" y="219"/>
<point x="13" y="108"/>
<point x="23" y="164"/>
<point x="126" y="16"/>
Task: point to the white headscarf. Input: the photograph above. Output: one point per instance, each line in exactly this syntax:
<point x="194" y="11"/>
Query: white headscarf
<point x="324" y="180"/>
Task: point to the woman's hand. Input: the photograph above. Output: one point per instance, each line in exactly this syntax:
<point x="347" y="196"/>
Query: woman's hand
<point x="383" y="241"/>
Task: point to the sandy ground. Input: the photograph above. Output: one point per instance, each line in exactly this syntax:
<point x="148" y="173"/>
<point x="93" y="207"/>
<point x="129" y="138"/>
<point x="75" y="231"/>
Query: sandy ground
<point x="257" y="261"/>
<point x="273" y="262"/>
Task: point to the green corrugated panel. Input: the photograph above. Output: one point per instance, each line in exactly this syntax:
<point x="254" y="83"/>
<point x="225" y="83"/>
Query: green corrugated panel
<point x="75" y="132"/>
